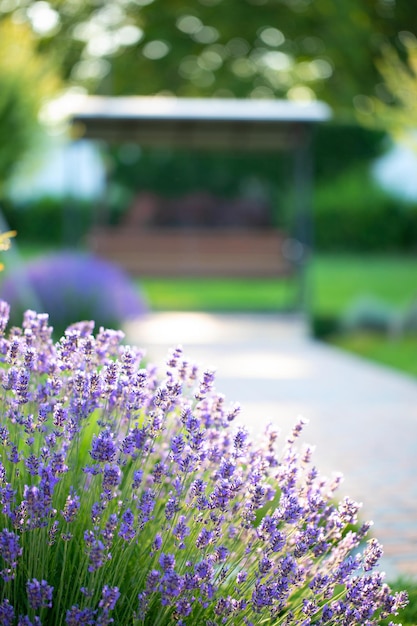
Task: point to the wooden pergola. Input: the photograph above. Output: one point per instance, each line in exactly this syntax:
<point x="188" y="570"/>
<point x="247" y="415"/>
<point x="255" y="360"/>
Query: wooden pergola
<point x="209" y="124"/>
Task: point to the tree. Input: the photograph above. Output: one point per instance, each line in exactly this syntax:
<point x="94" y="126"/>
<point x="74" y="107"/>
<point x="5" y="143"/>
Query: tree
<point x="245" y="48"/>
<point x="395" y="108"/>
<point x="25" y="80"/>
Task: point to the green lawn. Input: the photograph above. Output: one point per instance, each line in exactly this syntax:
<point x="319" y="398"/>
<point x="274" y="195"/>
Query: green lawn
<point x="335" y="281"/>
<point x="340" y="279"/>
<point x="399" y="353"/>
<point x="219" y="294"/>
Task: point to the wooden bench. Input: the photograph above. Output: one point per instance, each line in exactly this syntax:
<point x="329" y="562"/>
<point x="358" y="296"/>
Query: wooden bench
<point x="195" y="252"/>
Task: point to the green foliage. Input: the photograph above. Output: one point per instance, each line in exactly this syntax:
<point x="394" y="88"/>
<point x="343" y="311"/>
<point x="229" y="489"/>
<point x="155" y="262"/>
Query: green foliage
<point x="25" y="79"/>
<point x="352" y="213"/>
<point x="174" y="173"/>
<point x="245" y="48"/>
<point x="396" y="352"/>
<point x="338" y="280"/>
<point x="16" y="120"/>
<point x="340" y="147"/>
<point x="396" y="107"/>
<point x="50" y="220"/>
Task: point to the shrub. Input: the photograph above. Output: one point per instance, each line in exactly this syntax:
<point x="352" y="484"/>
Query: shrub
<point x="129" y="496"/>
<point x="47" y="219"/>
<point x="72" y="287"/>
<point x="351" y="212"/>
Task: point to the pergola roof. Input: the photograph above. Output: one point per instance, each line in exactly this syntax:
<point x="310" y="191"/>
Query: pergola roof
<point x="206" y="123"/>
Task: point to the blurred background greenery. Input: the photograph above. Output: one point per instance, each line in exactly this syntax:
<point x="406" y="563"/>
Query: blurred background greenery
<point x="360" y="58"/>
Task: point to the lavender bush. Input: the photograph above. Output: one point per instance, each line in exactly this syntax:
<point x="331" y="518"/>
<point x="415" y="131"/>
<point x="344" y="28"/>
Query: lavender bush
<point x="130" y="497"/>
<point x="72" y="286"/>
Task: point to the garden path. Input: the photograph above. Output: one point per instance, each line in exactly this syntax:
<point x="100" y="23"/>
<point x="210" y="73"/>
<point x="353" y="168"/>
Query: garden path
<point x="362" y="417"/>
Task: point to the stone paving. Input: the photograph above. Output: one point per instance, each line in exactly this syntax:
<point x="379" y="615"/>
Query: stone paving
<point x="362" y="417"/>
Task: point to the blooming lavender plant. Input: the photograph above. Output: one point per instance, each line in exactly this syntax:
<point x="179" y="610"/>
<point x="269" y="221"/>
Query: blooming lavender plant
<point x="130" y="497"/>
<point x="71" y="287"/>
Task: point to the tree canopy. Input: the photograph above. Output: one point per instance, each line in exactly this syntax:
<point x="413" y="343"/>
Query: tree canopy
<point x="297" y="49"/>
<point x="395" y="107"/>
<point x="26" y="78"/>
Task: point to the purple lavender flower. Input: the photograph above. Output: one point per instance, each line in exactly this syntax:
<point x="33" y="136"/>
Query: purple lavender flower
<point x="24" y="620"/>
<point x="177" y="445"/>
<point x="80" y="617"/>
<point x="2" y="473"/>
<point x="73" y="287"/>
<point x="204" y="538"/>
<point x="146" y="505"/>
<point x="71" y="508"/>
<point x="39" y="594"/>
<point x="183" y="607"/>
<point x="171" y="507"/>
<point x="127" y="529"/>
<point x="59" y="415"/>
<point x="157" y="543"/>
<point x="22" y="387"/>
<point x="13" y="454"/>
<point x="111" y="477"/>
<point x="6" y="613"/>
<point x="239" y="440"/>
<point x="109" y="597"/>
<point x="206" y="384"/>
<point x="32" y="464"/>
<point x="4" y="315"/>
<point x="372" y="554"/>
<point x="171" y="586"/>
<point x="181" y="530"/>
<point x="108" y="531"/>
<point x="167" y="562"/>
<point x="201" y="520"/>
<point x="10" y="551"/>
<point x="203" y="569"/>
<point x="103" y="447"/>
<point x="137" y="478"/>
<point x="152" y="580"/>
<point x="97" y="555"/>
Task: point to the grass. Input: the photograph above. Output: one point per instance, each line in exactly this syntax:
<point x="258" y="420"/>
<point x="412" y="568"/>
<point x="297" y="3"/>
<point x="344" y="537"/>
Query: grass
<point x="340" y="279"/>
<point x="399" y="352"/>
<point x="334" y="281"/>
<point x="218" y="294"/>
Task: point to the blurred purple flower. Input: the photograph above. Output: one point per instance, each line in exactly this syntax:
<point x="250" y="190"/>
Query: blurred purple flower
<point x="72" y="287"/>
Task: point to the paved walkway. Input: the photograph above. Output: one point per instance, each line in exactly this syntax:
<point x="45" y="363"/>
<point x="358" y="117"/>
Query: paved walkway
<point x="363" y="418"/>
